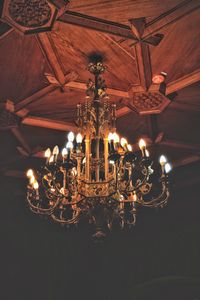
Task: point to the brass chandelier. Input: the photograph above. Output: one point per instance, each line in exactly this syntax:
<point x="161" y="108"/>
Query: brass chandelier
<point x="97" y="176"/>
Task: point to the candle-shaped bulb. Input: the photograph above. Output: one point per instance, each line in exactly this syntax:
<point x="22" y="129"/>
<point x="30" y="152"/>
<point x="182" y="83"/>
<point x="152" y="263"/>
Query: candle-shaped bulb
<point x="142" y="144"/>
<point x="69" y="145"/>
<point x="32" y="180"/>
<point x="115" y="137"/>
<point x="168" y="168"/>
<point x="79" y="138"/>
<point x="123" y="142"/>
<point x="64" y="152"/>
<point x="129" y="147"/>
<point x="36" y="185"/>
<point x="70" y="136"/>
<point x="163" y="160"/>
<point x="110" y="137"/>
<point x="51" y="159"/>
<point x="147" y="153"/>
<point x="47" y="153"/>
<point x="29" y="173"/>
<point x="55" y="150"/>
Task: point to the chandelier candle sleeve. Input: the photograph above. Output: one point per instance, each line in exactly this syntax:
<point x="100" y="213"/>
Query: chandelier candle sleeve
<point x="51" y="159"/>
<point x="64" y="154"/>
<point x="55" y="153"/>
<point x="69" y="147"/>
<point x="111" y="141"/>
<point x="79" y="140"/>
<point x="47" y="154"/>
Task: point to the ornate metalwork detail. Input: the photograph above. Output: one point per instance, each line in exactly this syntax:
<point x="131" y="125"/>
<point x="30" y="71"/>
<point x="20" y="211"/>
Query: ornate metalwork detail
<point x="102" y="179"/>
<point x="30" y="13"/>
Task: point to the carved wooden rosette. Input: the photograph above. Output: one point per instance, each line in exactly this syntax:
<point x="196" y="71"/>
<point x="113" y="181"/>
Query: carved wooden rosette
<point x="29" y="16"/>
<point x="152" y="101"/>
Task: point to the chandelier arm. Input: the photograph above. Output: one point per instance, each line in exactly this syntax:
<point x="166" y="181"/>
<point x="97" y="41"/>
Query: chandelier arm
<point x="145" y="179"/>
<point x="43" y="210"/>
<point x="151" y="203"/>
<point x="126" y="221"/>
<point x="73" y="220"/>
<point x="135" y="188"/>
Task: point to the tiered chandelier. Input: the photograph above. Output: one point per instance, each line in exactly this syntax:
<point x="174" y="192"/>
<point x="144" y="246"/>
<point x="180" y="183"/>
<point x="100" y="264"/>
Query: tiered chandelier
<point x="97" y="176"/>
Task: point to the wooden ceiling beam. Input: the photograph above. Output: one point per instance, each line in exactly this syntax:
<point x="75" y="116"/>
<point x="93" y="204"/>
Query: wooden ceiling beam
<point x="5" y="29"/>
<point x="21" y="139"/>
<point x="39" y="94"/>
<point x="142" y="53"/>
<point x="107" y="37"/>
<point x="110" y="91"/>
<point x="122" y="111"/>
<point x="14" y="173"/>
<point x="143" y="64"/>
<point x="97" y="24"/>
<point x="186" y="107"/>
<point x="186" y="160"/>
<point x="180" y="145"/>
<point x="173" y="15"/>
<point x="49" y="124"/>
<point x="174" y="86"/>
<point x="48" y="48"/>
<point x="152" y="125"/>
<point x="183" y="82"/>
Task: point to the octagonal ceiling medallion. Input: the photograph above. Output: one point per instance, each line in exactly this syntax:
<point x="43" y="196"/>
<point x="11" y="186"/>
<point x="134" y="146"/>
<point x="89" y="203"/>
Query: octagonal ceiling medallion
<point x="29" y="16"/>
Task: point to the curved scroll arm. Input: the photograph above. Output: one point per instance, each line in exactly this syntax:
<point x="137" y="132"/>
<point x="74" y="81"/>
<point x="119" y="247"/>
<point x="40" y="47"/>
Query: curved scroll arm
<point x="62" y="220"/>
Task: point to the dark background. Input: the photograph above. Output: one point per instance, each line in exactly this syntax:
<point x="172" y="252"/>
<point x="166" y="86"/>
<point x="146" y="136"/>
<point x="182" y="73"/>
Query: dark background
<point x="158" y="259"/>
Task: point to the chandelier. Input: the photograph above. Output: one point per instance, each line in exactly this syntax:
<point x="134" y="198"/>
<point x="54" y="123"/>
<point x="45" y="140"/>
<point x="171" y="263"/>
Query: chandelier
<point x="97" y="176"/>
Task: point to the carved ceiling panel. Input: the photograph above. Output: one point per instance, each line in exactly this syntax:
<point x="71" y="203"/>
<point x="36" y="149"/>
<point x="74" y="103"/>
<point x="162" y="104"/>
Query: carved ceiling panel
<point x="29" y="16"/>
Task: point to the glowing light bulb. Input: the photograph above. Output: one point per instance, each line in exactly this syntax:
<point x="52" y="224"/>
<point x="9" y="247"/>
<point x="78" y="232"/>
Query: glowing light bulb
<point x="168" y="167"/>
<point x="129" y="147"/>
<point x="32" y="180"/>
<point x="36" y="185"/>
<point x="79" y="138"/>
<point x="70" y="136"/>
<point x="162" y="160"/>
<point x="51" y="159"/>
<point x="69" y="145"/>
<point x="110" y="137"/>
<point x="55" y="150"/>
<point x="47" y="153"/>
<point x="123" y="142"/>
<point x="111" y="162"/>
<point x="146" y="153"/>
<point x="115" y="137"/>
<point x="84" y="160"/>
<point x="142" y="144"/>
<point x="64" y="152"/>
<point x="29" y="173"/>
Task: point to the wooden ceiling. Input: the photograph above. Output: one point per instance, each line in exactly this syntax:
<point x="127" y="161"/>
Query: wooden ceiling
<point x="43" y="75"/>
